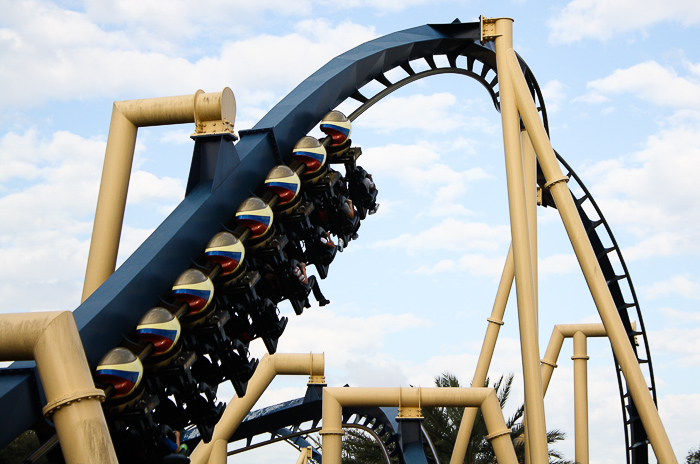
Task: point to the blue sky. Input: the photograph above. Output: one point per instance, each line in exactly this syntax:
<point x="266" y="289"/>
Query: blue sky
<point x="621" y="81"/>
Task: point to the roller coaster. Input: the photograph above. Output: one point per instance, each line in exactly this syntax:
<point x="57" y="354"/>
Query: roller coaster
<point x="163" y="331"/>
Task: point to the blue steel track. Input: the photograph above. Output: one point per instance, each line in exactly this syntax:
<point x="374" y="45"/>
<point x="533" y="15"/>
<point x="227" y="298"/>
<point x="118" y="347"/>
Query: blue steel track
<point x="223" y="174"/>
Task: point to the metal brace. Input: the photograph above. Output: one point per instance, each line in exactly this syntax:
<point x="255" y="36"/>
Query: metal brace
<point x="488" y="29"/>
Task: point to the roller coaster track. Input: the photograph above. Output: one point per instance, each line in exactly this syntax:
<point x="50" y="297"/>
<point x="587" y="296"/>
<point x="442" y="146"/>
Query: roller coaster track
<point x="224" y="174"/>
<point x="293" y="421"/>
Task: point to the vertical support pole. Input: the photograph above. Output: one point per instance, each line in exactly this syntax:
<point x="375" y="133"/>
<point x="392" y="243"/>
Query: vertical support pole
<point x="72" y="401"/>
<point x="332" y="432"/>
<point x="524" y="282"/>
<point x="530" y="175"/>
<point x="580" y="358"/>
<point x="269" y="367"/>
<point x="591" y="270"/>
<point x="111" y="201"/>
<point x="304" y="455"/>
<point x="218" y="452"/>
<point x="482" y="366"/>
<point x="213" y="113"/>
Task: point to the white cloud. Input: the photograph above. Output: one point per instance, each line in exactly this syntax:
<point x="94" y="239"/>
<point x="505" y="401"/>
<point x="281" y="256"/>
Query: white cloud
<point x="421" y="170"/>
<point x="476" y="264"/>
<point x="50" y="53"/>
<point x="438" y="113"/>
<point x="679" y="414"/>
<point x="554" y="95"/>
<point x="146" y="187"/>
<point x="558" y="264"/>
<point x="681" y="346"/>
<point x="386" y="6"/>
<point x="647" y="81"/>
<point x="603" y="19"/>
<point x="649" y="193"/>
<point x="680" y="316"/>
<point x="47" y="202"/>
<point x="452" y="235"/>
<point x="678" y="284"/>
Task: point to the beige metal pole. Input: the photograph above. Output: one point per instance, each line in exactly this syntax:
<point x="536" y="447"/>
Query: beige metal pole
<point x="530" y="175"/>
<point x="73" y="402"/>
<point x="210" y="111"/>
<point x="219" y="452"/>
<point x="269" y="367"/>
<point x="334" y="399"/>
<point x="482" y="366"/>
<point x="591" y="270"/>
<point x="559" y="333"/>
<point x="580" y="358"/>
<point x="304" y="455"/>
<point x="524" y="281"/>
<point x="549" y="362"/>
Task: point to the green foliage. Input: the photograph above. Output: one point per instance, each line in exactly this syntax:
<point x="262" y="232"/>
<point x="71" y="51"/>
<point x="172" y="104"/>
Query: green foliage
<point x="442" y="425"/>
<point x="359" y="447"/>
<point x="693" y="456"/>
<point x="20" y="448"/>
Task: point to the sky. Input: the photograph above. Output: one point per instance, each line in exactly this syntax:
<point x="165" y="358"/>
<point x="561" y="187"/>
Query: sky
<point x="410" y="297"/>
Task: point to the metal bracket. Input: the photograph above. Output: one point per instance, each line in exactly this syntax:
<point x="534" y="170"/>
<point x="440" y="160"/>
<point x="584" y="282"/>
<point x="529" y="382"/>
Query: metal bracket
<point x="488" y="29"/>
<point x="491" y="436"/>
<point x="409" y="412"/>
<point x="206" y="122"/>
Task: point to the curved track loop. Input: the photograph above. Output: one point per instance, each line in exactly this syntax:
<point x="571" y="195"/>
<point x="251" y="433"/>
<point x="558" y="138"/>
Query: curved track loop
<point x="635" y="436"/>
<point x="223" y="175"/>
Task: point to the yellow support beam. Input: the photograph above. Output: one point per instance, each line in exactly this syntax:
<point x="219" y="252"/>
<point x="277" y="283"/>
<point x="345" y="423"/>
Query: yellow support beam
<point x="72" y="401"/>
<point x="211" y="112"/>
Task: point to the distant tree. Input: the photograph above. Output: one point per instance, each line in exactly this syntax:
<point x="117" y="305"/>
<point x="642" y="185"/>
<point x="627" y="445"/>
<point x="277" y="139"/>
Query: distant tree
<point x="20" y="448"/>
<point x="693" y="456"/>
<point x="359" y="447"/>
<point x="442" y="425"/>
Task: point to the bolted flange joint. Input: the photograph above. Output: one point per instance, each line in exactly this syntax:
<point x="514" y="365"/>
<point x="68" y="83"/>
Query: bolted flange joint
<point x="66" y="400"/>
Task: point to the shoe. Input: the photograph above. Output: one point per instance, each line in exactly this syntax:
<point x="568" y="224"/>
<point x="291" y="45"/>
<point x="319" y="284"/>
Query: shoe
<point x="323" y="302"/>
<point x="374" y="209"/>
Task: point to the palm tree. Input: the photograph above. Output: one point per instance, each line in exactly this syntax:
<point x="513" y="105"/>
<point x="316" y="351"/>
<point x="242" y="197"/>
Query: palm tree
<point x="442" y="424"/>
<point x="693" y="456"/>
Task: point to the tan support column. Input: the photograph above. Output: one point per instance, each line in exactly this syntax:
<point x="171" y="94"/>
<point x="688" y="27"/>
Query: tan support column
<point x="304" y="455"/>
<point x="212" y="112"/>
<point x="334" y="399"/>
<point x="218" y="452"/>
<point x="524" y="280"/>
<point x="549" y="362"/>
<point x="530" y="174"/>
<point x="269" y="367"/>
<point x="72" y="401"/>
<point x="580" y="358"/>
<point x="591" y="270"/>
<point x="482" y="366"/>
<point x="332" y="429"/>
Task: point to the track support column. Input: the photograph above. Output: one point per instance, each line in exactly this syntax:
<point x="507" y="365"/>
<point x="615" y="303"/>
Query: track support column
<point x="580" y="359"/>
<point x="556" y="182"/>
<point x="501" y="31"/>
<point x="482" y="366"/>
<point x="212" y="112"/>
